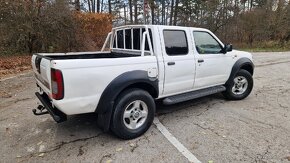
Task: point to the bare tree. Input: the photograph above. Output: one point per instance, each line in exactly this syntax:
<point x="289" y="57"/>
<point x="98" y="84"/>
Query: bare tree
<point x="135" y="12"/>
<point x="130" y="10"/>
<point x="175" y="12"/>
<point x="110" y="6"/>
<point x="171" y="12"/>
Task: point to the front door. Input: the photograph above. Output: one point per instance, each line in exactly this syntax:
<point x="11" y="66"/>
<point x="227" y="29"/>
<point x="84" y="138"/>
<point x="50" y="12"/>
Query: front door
<point x="213" y="66"/>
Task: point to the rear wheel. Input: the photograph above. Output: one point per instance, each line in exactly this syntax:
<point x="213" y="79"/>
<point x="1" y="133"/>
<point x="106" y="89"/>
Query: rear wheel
<point x="240" y="87"/>
<point x="133" y="113"/>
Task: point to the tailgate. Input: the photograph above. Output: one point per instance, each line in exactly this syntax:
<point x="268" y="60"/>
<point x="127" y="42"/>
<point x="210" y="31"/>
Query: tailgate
<point x="41" y="69"/>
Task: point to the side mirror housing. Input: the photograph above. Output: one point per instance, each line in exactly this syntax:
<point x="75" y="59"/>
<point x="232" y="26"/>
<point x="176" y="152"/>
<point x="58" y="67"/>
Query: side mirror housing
<point x="228" y="48"/>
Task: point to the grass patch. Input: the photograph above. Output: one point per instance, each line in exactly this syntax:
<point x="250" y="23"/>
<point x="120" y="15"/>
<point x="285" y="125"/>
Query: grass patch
<point x="267" y="46"/>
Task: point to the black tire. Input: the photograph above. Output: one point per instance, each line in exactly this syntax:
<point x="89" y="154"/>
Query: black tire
<point x="118" y="126"/>
<point x="230" y="95"/>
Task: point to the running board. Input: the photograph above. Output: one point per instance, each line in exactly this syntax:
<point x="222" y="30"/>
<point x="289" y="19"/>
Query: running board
<point x="193" y="95"/>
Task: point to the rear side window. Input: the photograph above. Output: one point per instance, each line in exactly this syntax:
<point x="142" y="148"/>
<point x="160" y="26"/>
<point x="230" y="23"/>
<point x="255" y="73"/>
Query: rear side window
<point x="175" y="42"/>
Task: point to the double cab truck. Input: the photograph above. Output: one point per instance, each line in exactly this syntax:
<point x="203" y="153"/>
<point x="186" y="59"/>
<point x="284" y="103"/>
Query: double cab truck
<point x="138" y="65"/>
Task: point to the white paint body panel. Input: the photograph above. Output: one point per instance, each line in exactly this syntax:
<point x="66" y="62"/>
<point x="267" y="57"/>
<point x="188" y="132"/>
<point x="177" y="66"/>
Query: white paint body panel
<point x="86" y="79"/>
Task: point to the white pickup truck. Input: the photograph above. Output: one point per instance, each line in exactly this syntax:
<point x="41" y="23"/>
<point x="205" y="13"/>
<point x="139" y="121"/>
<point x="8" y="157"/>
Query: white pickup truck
<point x="144" y="63"/>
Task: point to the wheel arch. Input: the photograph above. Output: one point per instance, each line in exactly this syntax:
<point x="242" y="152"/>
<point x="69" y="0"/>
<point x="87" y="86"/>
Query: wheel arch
<point x="127" y="80"/>
<point x="242" y="63"/>
<point x="145" y="86"/>
<point x="248" y="67"/>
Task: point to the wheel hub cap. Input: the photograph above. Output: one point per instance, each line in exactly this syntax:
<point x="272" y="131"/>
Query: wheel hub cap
<point x="240" y="85"/>
<point x="135" y="114"/>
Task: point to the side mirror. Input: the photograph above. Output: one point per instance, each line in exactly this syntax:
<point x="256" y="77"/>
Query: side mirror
<point x="228" y="48"/>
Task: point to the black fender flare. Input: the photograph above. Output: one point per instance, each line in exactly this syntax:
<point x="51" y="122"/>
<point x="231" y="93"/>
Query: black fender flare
<point x="116" y="86"/>
<point x="240" y="63"/>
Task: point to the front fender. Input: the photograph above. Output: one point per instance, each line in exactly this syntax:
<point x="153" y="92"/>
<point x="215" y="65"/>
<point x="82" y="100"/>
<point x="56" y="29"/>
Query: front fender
<point x="242" y="62"/>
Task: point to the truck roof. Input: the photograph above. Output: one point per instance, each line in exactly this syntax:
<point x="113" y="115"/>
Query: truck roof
<point x="143" y="25"/>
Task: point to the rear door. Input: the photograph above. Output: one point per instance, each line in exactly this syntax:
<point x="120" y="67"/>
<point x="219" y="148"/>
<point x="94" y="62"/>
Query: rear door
<point x="213" y="66"/>
<point x="179" y="65"/>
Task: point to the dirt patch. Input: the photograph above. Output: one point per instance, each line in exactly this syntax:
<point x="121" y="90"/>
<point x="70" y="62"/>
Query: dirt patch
<point x="11" y="65"/>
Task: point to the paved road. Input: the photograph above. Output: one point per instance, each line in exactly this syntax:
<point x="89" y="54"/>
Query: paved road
<point x="256" y="129"/>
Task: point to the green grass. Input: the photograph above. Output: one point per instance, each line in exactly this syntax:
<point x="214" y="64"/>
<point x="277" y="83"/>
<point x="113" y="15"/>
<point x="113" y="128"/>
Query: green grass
<point x="264" y="46"/>
<point x="258" y="49"/>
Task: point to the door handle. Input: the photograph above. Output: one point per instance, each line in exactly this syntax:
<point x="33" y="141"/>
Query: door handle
<point x="200" y="60"/>
<point x="171" y="63"/>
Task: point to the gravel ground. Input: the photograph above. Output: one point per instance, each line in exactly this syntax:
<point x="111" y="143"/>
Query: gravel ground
<point x="256" y="129"/>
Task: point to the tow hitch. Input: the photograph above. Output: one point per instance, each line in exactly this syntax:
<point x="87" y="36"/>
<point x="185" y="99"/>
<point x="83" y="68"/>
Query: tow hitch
<point x="47" y="108"/>
<point x="41" y="111"/>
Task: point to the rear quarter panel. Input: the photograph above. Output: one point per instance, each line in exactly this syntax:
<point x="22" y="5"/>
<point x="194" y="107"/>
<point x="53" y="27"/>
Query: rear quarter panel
<point x="86" y="79"/>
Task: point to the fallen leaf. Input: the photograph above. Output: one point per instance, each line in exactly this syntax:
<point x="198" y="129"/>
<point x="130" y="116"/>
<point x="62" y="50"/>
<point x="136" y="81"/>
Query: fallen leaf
<point x="210" y="161"/>
<point x="39" y="143"/>
<point x="119" y="149"/>
<point x="109" y="161"/>
<point x="41" y="155"/>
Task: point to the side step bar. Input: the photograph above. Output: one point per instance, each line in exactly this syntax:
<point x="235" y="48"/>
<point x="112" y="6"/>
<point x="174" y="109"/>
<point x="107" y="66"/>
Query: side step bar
<point x="193" y="95"/>
<point x="56" y="114"/>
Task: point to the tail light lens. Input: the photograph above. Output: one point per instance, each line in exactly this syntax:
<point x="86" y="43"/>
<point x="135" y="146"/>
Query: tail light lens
<point x="57" y="86"/>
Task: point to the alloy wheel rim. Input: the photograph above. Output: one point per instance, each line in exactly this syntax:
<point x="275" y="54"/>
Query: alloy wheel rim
<point x="135" y="114"/>
<point x="240" y="85"/>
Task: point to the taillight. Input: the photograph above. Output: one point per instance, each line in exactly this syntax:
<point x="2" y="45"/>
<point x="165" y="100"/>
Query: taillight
<point x="57" y="87"/>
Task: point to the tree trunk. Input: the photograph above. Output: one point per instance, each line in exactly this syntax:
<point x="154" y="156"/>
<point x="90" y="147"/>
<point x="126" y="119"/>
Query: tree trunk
<point x="102" y="4"/>
<point x="166" y="15"/>
<point x="175" y="12"/>
<point x="77" y="5"/>
<point x="163" y="11"/>
<point x="151" y="3"/>
<point x="89" y="4"/>
<point x="93" y="6"/>
<point x="135" y="12"/>
<point x="125" y="15"/>
<point x="110" y="6"/>
<point x="171" y="12"/>
<point x="131" y="13"/>
<point x="98" y="5"/>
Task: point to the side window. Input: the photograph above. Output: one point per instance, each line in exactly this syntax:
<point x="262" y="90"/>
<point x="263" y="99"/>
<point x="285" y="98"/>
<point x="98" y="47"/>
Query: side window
<point x="175" y="42"/>
<point x="120" y="39"/>
<point x="206" y="44"/>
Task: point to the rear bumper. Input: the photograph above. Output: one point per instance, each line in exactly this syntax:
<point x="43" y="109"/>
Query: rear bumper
<point x="56" y="114"/>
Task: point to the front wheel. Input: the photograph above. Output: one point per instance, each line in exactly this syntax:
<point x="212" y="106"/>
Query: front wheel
<point x="133" y="113"/>
<point x="240" y="87"/>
